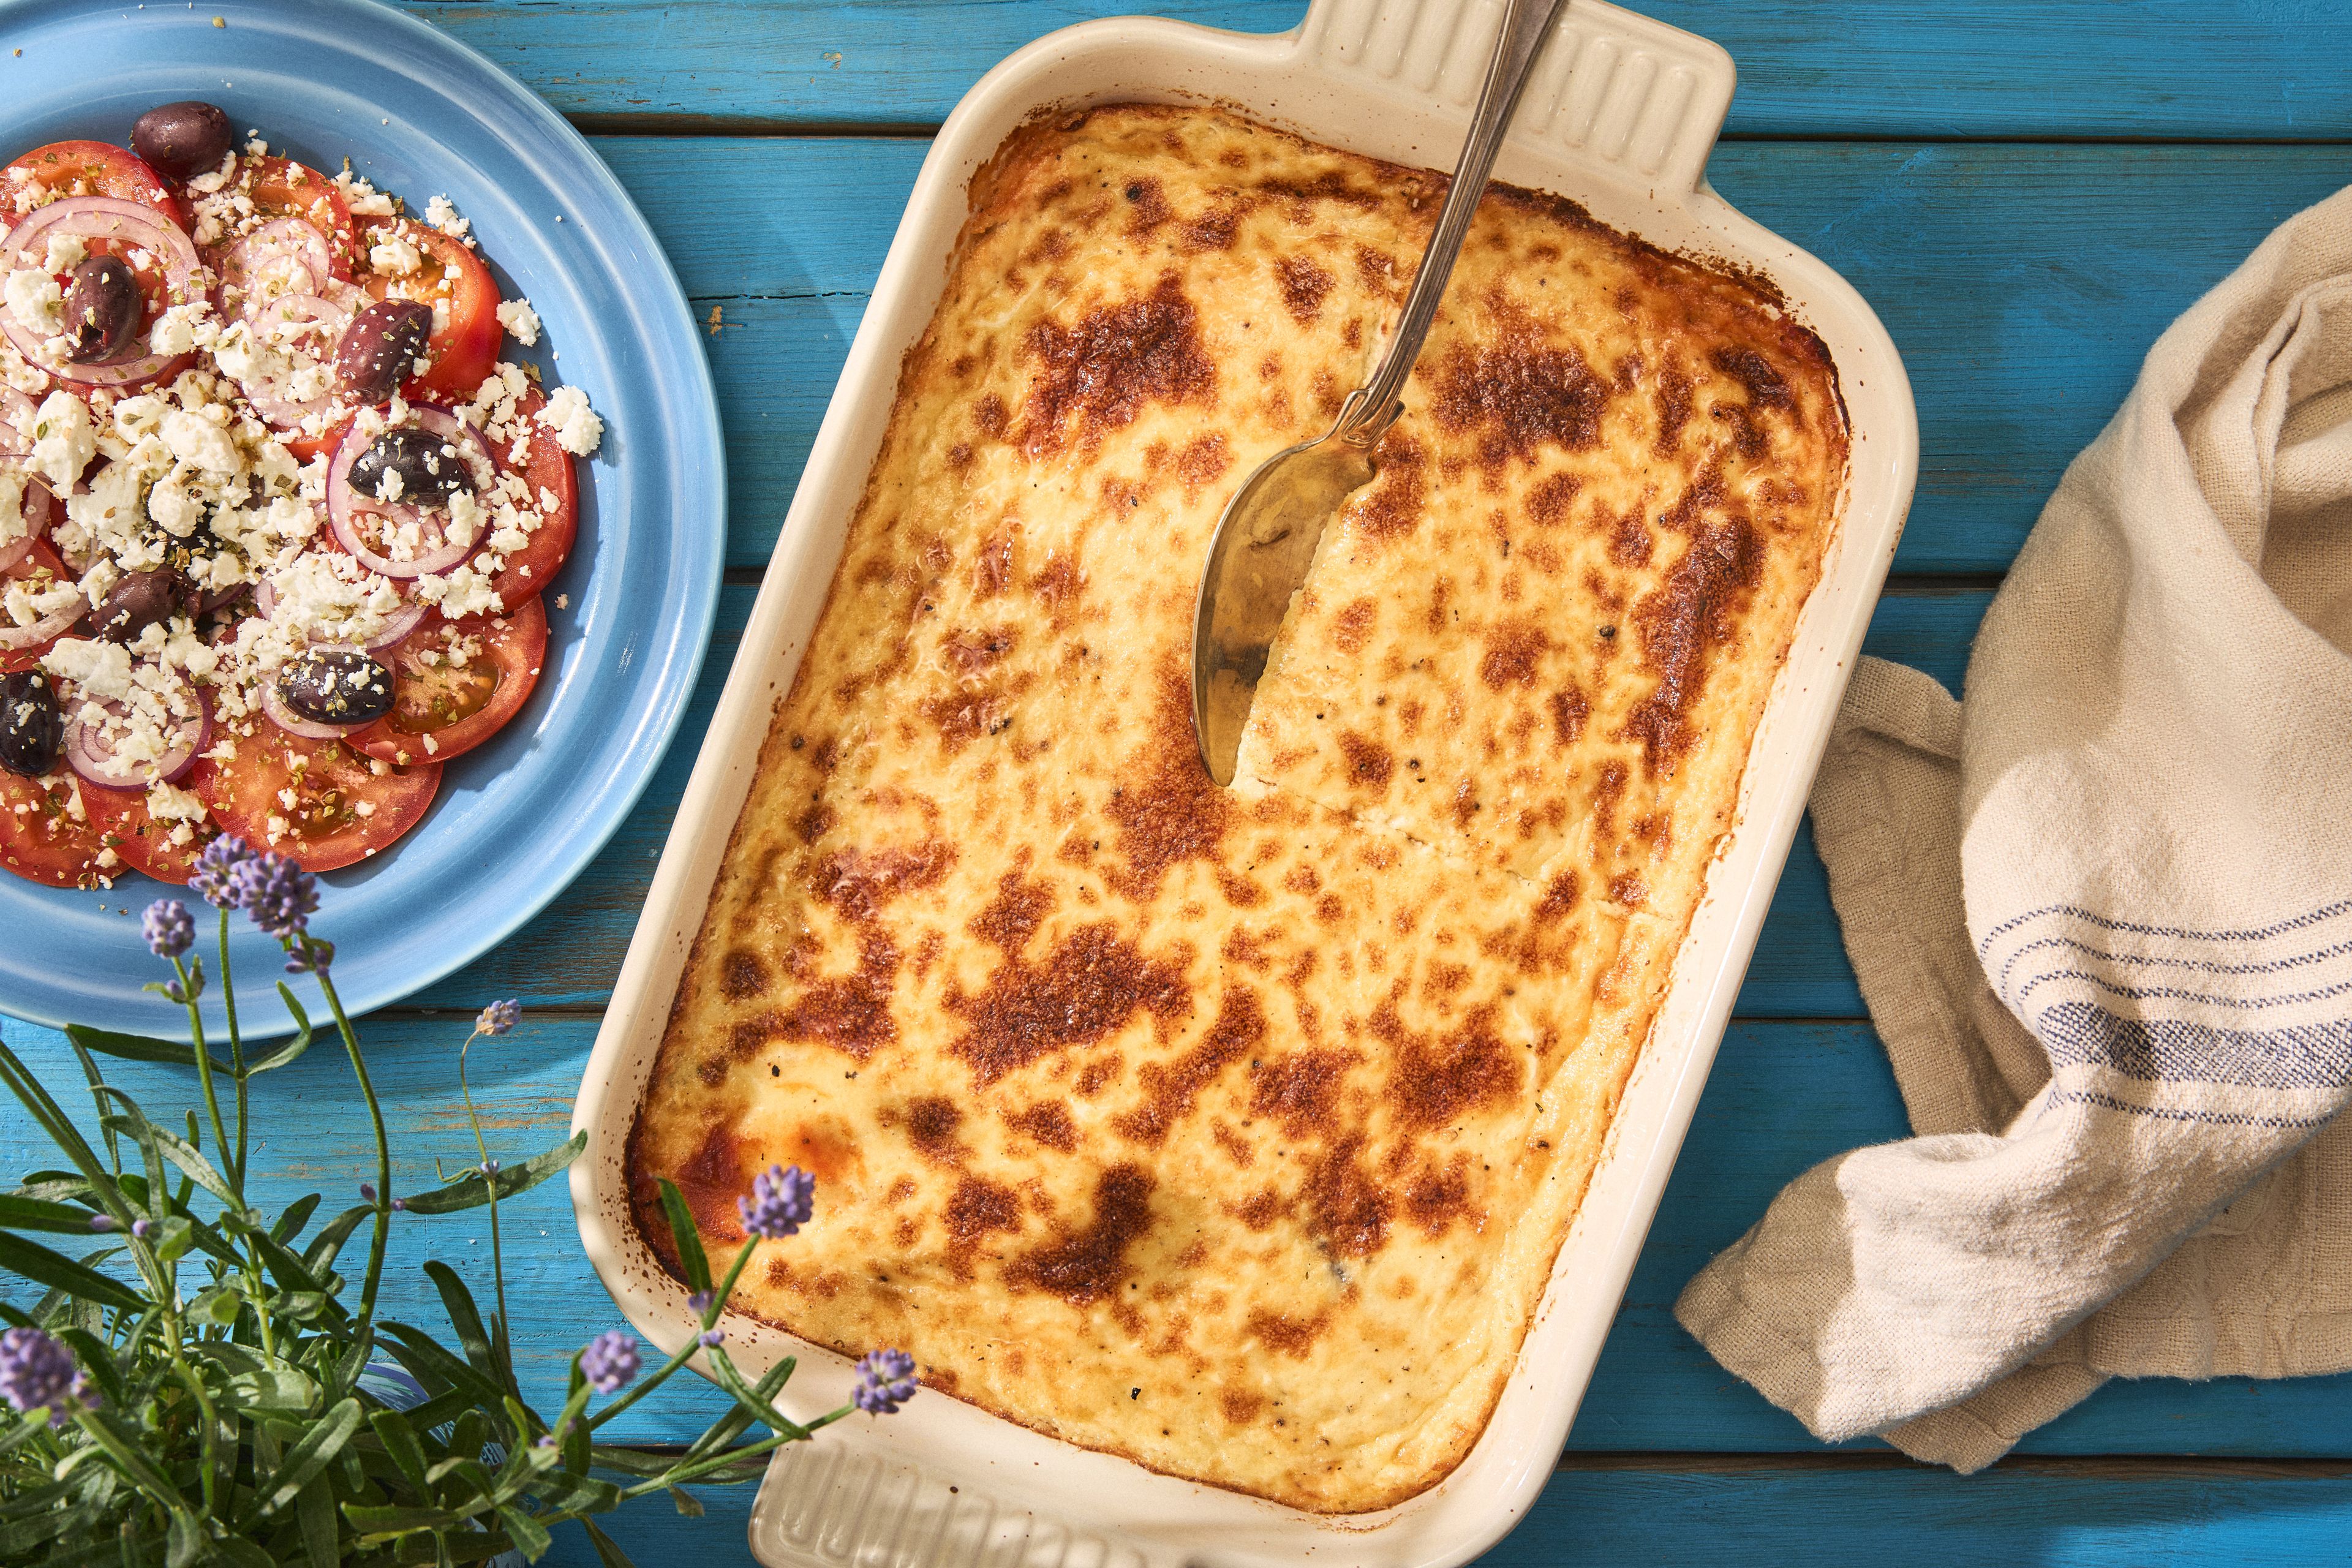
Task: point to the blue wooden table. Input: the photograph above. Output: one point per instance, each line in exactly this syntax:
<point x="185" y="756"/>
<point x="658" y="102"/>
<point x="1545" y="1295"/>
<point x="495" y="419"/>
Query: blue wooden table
<point x="2026" y="190"/>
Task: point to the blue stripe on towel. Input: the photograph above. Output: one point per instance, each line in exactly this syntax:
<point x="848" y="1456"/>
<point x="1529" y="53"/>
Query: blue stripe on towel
<point x="2203" y="966"/>
<point x="2263" y="934"/>
<point x="2179" y="994"/>
<point x="2183" y="1113"/>
<point x="2168" y="1050"/>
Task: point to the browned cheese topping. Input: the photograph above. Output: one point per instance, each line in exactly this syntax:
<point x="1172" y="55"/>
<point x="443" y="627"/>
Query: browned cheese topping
<point x="1236" y="1131"/>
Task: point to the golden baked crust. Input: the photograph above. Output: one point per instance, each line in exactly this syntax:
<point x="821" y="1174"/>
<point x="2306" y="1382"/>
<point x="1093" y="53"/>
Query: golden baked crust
<point x="1236" y="1131"/>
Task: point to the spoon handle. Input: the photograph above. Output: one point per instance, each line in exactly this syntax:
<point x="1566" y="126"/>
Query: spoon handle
<point x="1526" y="25"/>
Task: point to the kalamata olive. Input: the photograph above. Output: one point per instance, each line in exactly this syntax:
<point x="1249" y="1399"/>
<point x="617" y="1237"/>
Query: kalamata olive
<point x="380" y="347"/>
<point x="336" y="686"/>
<point x="103" y="307"/>
<point x="410" y="466"/>
<point x="181" y="140"/>
<point x="139" y="601"/>
<point x="32" y="726"/>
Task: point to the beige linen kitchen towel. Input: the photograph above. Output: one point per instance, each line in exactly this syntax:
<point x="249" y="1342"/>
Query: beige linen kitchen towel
<point x="2102" y="915"/>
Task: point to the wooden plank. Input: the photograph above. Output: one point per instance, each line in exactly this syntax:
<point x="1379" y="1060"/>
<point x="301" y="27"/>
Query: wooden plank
<point x="2023" y="284"/>
<point x="571" y="953"/>
<point x="1782" y="1097"/>
<point x="2177" y="68"/>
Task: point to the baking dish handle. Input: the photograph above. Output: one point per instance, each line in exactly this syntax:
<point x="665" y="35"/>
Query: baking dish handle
<point x="1631" y="98"/>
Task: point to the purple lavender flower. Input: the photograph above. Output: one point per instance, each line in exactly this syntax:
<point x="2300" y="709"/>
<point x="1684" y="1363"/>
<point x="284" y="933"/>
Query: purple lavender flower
<point x="140" y="1228"/>
<point x="195" y="988"/>
<point x="700" y="1301"/>
<point x="277" y="893"/>
<point x="168" y="928"/>
<point x="489" y="1167"/>
<point x="782" y="1200"/>
<point x="367" y="1192"/>
<point x="610" y="1361"/>
<point x="498" y="1016"/>
<point x="101" y="1222"/>
<point x="35" y="1371"/>
<point x="214" y="876"/>
<point x="712" y="1338"/>
<point x="310" y="955"/>
<point x="886" y="1380"/>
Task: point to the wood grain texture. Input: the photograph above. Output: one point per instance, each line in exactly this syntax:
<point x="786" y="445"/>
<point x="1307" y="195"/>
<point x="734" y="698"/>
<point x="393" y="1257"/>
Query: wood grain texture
<point x="2022" y="284"/>
<point x="2237" y="68"/>
<point x="1782" y="1097"/>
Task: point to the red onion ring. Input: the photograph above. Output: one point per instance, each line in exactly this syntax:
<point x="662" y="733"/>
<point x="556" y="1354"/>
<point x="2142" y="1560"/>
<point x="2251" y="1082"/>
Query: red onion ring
<point x="307" y="313"/>
<point x="124" y="224"/>
<point x="94" y="759"/>
<point x="40" y="511"/>
<point x="286" y="247"/>
<point x="346" y="505"/>
<point x="281" y="713"/>
<point x="397" y="626"/>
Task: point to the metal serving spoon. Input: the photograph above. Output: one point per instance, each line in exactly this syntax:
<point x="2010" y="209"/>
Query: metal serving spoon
<point x="1266" y="540"/>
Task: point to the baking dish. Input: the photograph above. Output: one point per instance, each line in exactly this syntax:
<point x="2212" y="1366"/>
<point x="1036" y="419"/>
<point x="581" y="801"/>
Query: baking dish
<point x="1619" y="116"/>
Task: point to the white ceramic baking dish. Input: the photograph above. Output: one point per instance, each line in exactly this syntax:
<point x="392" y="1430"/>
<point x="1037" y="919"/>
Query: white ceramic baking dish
<point x="1620" y="115"/>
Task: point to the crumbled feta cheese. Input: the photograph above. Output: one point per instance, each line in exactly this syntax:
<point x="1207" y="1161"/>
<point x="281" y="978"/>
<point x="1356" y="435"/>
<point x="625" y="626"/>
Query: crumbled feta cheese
<point x="363" y="198"/>
<point x="102" y="669"/>
<point x="441" y="214"/>
<point x="66" y="253"/>
<point x="64" y="441"/>
<point x="577" y="430"/>
<point x="201" y="443"/>
<point x="34" y="301"/>
<point x="521" y="320"/>
<point x="394" y="256"/>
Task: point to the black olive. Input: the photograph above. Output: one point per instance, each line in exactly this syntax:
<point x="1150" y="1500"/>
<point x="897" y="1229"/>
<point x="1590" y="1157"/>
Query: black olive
<point x="139" y="601"/>
<point x="32" y="726"/>
<point x="336" y="686"/>
<point x="430" y="468"/>
<point x="103" y="306"/>
<point x="183" y="139"/>
<point x="380" y="347"/>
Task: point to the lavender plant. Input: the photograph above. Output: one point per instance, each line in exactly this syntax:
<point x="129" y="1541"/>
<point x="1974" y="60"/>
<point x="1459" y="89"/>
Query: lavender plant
<point x="204" y="1388"/>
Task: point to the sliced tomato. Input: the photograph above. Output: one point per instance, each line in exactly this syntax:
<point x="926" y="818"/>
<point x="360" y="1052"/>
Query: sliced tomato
<point x="45" y="837"/>
<point x="145" y="844"/>
<point x="345" y="806"/>
<point x="280" y="187"/>
<point x="451" y="279"/>
<point x="546" y="468"/>
<point x="42" y="567"/>
<point x="458" y="706"/>
<point x="86" y="169"/>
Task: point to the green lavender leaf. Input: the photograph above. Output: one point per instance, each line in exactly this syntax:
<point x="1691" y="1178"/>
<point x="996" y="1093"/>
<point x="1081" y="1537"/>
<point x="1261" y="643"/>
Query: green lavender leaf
<point x="36" y="1214"/>
<point x="690" y="1259"/>
<point x="474" y="1191"/>
<point x="137" y="1047"/>
<point x="308" y="1458"/>
<point x="31" y="1260"/>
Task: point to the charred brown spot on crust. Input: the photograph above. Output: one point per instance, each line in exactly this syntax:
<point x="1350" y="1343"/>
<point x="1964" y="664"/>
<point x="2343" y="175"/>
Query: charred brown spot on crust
<point x="1513" y="647"/>
<point x="1098" y="1075"/>
<point x="1392" y="507"/>
<point x="1674" y="410"/>
<point x="1568" y="712"/>
<point x="1304" y="285"/>
<point x="1767" y="388"/>
<point x="1560" y="897"/>
<point x="1098" y="374"/>
<point x="858" y="882"/>
<point x="1150" y="204"/>
<point x="1690" y="618"/>
<point x="1607" y="790"/>
<point x="1210" y="231"/>
<point x="1240" y="1406"/>
<point x="1173" y="811"/>
<point x="1261" y="1209"/>
<point x="741" y="975"/>
<point x="1084" y="1268"/>
<point x="1520" y="395"/>
<point x="1348" y="1209"/>
<point x="1300" y="1092"/>
<point x="1169" y="1091"/>
<point x="976" y="1210"/>
<point x="992" y="569"/>
<point x="1550" y="502"/>
<point x="1435" y="1197"/>
<point x="815" y="823"/>
<point x="1202" y="460"/>
<point x="1378" y="269"/>
<point x="1438" y="1080"/>
<point x="962" y="717"/>
<point x="931" y="1124"/>
<point x="851" y="1012"/>
<point x="1049" y="1123"/>
<point x="1293" y="1337"/>
<point x="974" y="650"/>
<point x="1352" y="627"/>
<point x="1013" y="917"/>
<point x="1369" y="762"/>
<point x="989" y="417"/>
<point x="1087" y="987"/>
<point x="1628" y="889"/>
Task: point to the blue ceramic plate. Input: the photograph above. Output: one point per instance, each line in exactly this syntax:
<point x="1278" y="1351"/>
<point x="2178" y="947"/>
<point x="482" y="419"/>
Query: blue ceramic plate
<point x="423" y="116"/>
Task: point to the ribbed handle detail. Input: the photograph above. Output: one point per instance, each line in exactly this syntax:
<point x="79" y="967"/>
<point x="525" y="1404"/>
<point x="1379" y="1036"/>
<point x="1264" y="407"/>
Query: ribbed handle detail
<point x="1615" y="90"/>
<point x="828" y="1505"/>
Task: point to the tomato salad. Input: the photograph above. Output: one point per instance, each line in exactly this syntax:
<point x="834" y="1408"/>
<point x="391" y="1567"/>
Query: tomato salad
<point x="275" y="515"/>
